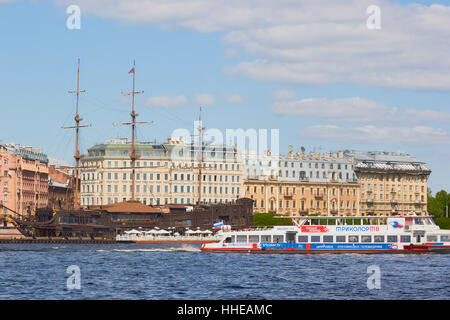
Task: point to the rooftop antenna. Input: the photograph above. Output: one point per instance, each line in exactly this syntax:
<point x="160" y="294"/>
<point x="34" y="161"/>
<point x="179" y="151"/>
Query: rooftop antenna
<point x="133" y="124"/>
<point x="77" y="156"/>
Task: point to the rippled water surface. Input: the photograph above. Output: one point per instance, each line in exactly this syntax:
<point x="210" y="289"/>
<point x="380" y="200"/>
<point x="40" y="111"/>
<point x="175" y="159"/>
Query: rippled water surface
<point x="134" y="271"/>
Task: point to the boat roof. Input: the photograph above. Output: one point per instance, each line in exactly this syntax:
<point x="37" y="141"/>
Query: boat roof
<point x="351" y="217"/>
<point x="127" y="207"/>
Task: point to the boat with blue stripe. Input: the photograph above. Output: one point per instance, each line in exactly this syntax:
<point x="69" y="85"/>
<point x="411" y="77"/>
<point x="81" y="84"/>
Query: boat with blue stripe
<point x="338" y="234"/>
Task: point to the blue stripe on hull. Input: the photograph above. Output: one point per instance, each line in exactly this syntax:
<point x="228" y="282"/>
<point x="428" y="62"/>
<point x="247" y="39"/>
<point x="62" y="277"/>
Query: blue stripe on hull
<point x="268" y="245"/>
<point x="350" y="246"/>
<point x="327" y="246"/>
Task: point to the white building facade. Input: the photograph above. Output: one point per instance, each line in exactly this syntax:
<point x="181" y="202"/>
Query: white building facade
<point x="166" y="173"/>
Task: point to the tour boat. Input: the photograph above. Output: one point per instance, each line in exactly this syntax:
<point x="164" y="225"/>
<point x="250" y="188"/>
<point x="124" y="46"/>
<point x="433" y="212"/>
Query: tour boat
<point x="337" y="234"/>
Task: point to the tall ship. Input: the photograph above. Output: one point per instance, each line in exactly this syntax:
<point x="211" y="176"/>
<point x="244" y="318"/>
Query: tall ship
<point x="108" y="221"/>
<point x="334" y="234"/>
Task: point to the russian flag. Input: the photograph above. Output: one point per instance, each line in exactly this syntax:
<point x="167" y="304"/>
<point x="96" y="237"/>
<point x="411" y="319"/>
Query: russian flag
<point x="131" y="71"/>
<point x="218" y="225"/>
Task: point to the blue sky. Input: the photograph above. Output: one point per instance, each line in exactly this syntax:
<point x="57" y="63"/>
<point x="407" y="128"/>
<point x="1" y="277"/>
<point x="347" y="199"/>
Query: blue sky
<point x="296" y="66"/>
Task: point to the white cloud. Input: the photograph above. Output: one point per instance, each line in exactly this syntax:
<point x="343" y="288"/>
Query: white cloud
<point x="309" y="41"/>
<point x="357" y="110"/>
<point x="284" y="94"/>
<point x="231" y="53"/>
<point x="166" y="101"/>
<point x="235" y="98"/>
<point x="205" y="99"/>
<point x="418" y="135"/>
<point x="57" y="162"/>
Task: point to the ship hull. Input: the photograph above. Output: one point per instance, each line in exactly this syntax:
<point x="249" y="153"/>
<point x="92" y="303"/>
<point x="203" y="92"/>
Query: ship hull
<point x="278" y="251"/>
<point x="306" y="249"/>
<point x="171" y="241"/>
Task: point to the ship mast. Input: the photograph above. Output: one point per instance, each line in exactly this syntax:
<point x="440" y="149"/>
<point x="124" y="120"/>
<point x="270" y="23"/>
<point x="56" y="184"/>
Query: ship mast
<point x="77" y="156"/>
<point x="200" y="135"/>
<point x="133" y="123"/>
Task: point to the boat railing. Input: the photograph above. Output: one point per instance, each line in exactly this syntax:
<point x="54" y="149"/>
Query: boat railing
<point x="170" y="238"/>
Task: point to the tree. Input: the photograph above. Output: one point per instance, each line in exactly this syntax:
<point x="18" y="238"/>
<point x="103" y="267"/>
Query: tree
<point x="438" y="203"/>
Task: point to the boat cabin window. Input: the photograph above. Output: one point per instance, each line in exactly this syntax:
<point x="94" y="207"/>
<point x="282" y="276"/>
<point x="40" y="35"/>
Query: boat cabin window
<point x="445" y="238"/>
<point x="302" y="239"/>
<point x="266" y="239"/>
<point x="278" y="238"/>
<point x="290" y="236"/>
<point x="228" y="240"/>
<point x="432" y="238"/>
<point x="392" y="239"/>
<point x="430" y="221"/>
<point x="418" y="221"/>
<point x="366" y="238"/>
<point x="406" y="239"/>
<point x="253" y="239"/>
<point x="353" y="238"/>
<point x="378" y="238"/>
<point x="328" y="239"/>
<point x="241" y="239"/>
<point x="340" y="238"/>
<point x="233" y="238"/>
<point x="315" y="238"/>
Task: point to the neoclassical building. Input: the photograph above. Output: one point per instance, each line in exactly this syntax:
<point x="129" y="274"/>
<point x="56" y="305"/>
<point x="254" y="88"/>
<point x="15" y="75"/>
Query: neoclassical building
<point x="342" y="183"/>
<point x="165" y="173"/>
<point x="300" y="184"/>
<point x="391" y="182"/>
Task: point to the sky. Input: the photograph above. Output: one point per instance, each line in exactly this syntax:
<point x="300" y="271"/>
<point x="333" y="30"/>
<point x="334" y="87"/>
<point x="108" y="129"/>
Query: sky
<point x="319" y="71"/>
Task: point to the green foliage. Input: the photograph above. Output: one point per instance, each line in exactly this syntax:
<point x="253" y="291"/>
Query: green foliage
<point x="436" y="208"/>
<point x="267" y="219"/>
<point x="442" y="222"/>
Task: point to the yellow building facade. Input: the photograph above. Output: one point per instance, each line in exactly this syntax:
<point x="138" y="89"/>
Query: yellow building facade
<point x="300" y="184"/>
<point x="393" y="193"/>
<point x="391" y="183"/>
<point x="303" y="198"/>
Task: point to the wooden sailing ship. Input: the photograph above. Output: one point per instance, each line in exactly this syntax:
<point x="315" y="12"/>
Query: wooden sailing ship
<point x="105" y="221"/>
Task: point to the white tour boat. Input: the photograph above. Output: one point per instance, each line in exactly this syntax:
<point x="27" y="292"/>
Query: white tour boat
<point x="363" y="234"/>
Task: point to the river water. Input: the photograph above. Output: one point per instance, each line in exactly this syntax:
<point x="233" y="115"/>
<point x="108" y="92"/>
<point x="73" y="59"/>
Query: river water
<point x="146" y="271"/>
